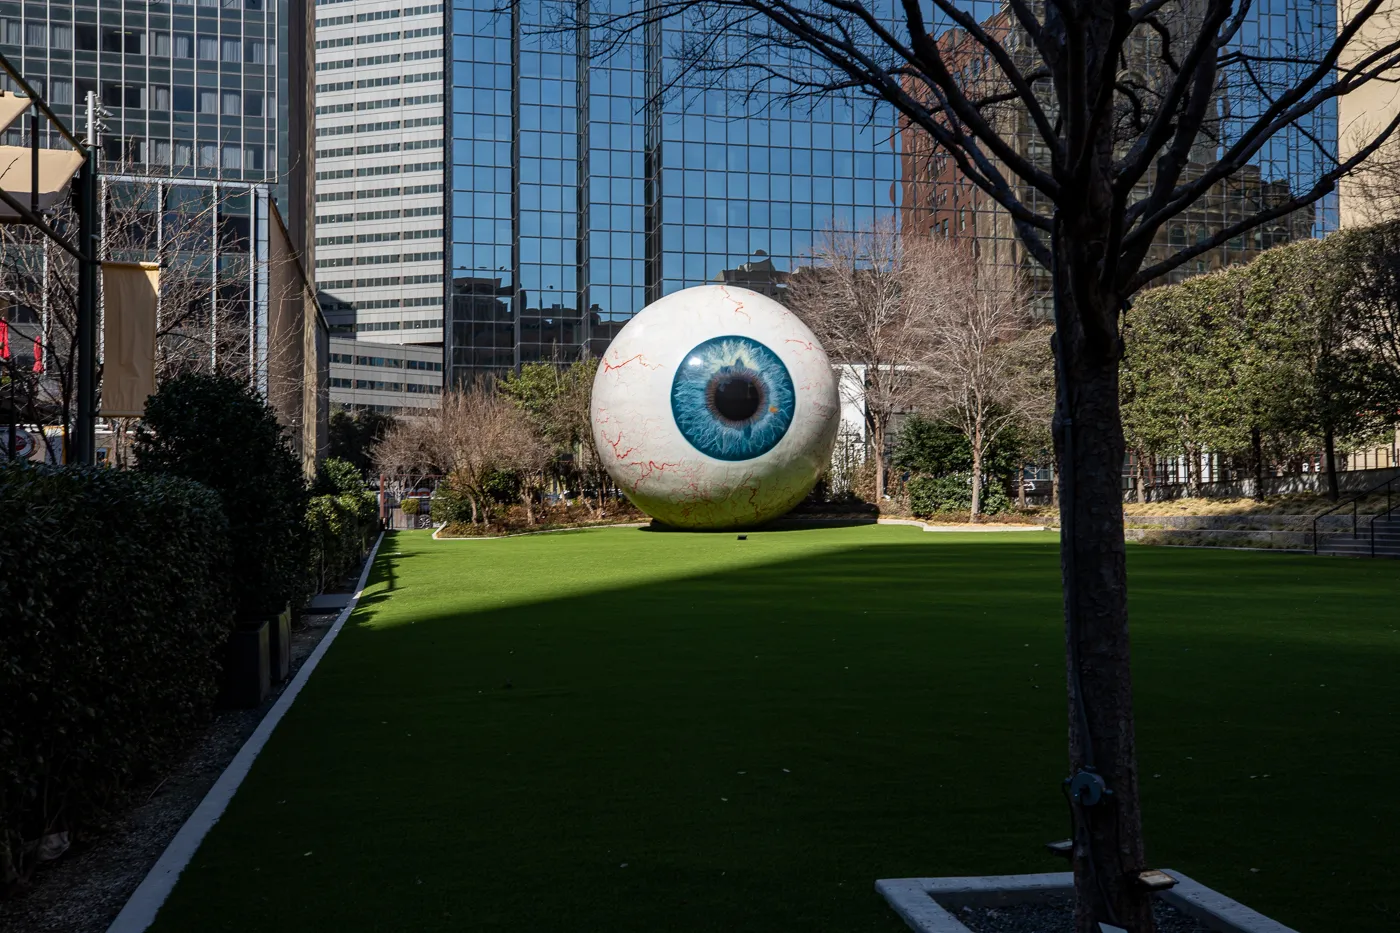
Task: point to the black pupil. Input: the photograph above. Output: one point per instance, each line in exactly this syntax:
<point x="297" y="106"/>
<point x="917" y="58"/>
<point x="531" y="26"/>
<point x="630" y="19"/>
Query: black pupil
<point x="736" y="398"/>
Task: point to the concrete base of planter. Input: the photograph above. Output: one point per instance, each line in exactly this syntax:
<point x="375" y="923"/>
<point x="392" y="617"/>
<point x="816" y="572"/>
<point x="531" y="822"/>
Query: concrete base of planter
<point x="247" y="676"/>
<point x="922" y="901"/>
<point x="328" y="602"/>
<point x="279" y="646"/>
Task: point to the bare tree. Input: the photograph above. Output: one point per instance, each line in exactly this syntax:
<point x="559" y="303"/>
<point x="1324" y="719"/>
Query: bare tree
<point x="557" y="397"/>
<point x="1090" y="124"/>
<point x="870" y="299"/>
<point x="977" y="383"/>
<point x="405" y="455"/>
<point x="475" y="433"/>
<point x="530" y="456"/>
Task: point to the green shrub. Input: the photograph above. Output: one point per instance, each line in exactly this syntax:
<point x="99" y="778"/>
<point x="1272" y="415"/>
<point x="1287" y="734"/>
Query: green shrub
<point x="353" y="436"/>
<point x="217" y="430"/>
<point x="503" y="486"/>
<point x="952" y="492"/>
<point x="449" y="505"/>
<point x="936" y="448"/>
<point x="411" y="506"/>
<point x="335" y="476"/>
<point x="115" y="588"/>
<point x="341" y="528"/>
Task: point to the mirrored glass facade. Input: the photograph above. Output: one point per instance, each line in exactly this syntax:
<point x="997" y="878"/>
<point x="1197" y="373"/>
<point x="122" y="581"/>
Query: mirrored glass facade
<point x="193" y="89"/>
<point x="578" y="200"/>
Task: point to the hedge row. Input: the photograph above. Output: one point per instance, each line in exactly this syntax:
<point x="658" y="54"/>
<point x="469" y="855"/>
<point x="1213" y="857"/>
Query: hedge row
<point x="342" y="527"/>
<point x="114" y="589"/>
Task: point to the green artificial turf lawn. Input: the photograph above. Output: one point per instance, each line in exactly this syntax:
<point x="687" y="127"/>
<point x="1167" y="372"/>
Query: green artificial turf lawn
<point x="707" y="734"/>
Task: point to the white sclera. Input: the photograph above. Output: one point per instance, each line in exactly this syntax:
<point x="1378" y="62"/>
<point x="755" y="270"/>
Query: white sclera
<point x="645" y="452"/>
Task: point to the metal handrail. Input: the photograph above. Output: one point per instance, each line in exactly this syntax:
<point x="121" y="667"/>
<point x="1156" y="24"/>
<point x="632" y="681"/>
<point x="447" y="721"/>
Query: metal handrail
<point x="1383" y="516"/>
<point x="1386" y="484"/>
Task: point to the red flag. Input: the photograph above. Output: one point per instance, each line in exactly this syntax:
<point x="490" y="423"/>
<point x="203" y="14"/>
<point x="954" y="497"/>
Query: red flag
<point x="4" y="340"/>
<point x="38" y="356"/>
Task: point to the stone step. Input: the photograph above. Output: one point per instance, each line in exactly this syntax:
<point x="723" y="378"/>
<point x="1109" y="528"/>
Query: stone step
<point x="1359" y="549"/>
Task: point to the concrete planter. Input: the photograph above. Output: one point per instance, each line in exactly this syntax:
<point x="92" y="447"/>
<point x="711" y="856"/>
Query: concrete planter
<point x="279" y="645"/>
<point x="247" y="676"/>
<point x="928" y="905"/>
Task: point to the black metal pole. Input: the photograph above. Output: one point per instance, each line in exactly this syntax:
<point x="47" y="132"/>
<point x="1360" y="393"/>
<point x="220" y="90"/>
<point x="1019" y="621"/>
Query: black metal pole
<point x="85" y="437"/>
<point x="34" y="159"/>
<point x="10" y="450"/>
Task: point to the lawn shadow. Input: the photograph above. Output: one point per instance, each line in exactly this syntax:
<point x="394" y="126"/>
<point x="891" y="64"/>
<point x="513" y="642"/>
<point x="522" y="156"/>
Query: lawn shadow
<point x="748" y="748"/>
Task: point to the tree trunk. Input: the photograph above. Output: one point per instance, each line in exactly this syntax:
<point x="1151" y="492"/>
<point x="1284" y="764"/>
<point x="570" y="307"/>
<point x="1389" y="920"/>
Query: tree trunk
<point x="976" y="475"/>
<point x="1108" y="851"/>
<point x="1256" y="453"/>
<point x="1021" y="488"/>
<point x="1193" y="472"/>
<point x="877" y="442"/>
<point x="1329" y="449"/>
<point x="1141" y="478"/>
<point x="526" y="498"/>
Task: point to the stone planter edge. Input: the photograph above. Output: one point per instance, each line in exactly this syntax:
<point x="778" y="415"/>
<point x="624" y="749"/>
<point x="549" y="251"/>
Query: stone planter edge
<point x="914" y="900"/>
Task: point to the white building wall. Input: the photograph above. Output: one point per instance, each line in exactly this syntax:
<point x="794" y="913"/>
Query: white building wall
<point x="381" y="162"/>
<point x="851" y="385"/>
<point x="388" y="377"/>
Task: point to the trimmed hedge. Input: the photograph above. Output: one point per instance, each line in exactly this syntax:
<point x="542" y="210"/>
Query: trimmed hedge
<point x="341" y="528"/>
<point x="114" y="588"/>
<point x="341" y="520"/>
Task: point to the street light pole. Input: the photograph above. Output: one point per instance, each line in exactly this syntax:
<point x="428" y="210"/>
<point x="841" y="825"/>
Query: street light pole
<point x="85" y="442"/>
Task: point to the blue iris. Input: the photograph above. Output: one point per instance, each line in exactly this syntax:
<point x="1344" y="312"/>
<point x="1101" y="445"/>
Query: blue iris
<point x="732" y="398"/>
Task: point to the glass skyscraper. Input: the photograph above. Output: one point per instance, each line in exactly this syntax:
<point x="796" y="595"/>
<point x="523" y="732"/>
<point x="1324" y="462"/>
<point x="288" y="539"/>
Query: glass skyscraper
<point x="578" y="197"/>
<point x="204" y="125"/>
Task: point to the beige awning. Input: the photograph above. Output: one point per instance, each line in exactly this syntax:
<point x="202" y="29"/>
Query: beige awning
<point x="11" y="106"/>
<point x="56" y="169"/>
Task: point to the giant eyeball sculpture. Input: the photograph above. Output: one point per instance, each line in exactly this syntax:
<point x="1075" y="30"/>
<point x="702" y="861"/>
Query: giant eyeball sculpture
<point x="715" y="408"/>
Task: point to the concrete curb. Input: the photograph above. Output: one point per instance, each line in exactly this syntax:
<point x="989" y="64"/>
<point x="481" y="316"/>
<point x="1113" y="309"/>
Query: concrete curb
<point x="916" y="900"/>
<point x="527" y="534"/>
<point x="930" y="526"/>
<point x="145" y="902"/>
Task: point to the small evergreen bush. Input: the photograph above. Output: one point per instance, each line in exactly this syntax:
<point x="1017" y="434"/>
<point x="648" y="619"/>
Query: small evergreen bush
<point x="218" y="431"/>
<point x="449" y="505"/>
<point x="335" y="476"/>
<point x="952" y="492"/>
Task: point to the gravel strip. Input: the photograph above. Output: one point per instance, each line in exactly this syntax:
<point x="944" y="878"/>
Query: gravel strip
<point x="1057" y="916"/>
<point x="85" y="890"/>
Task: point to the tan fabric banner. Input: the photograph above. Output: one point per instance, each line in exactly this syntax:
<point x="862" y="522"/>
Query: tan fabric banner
<point x="129" y="291"/>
